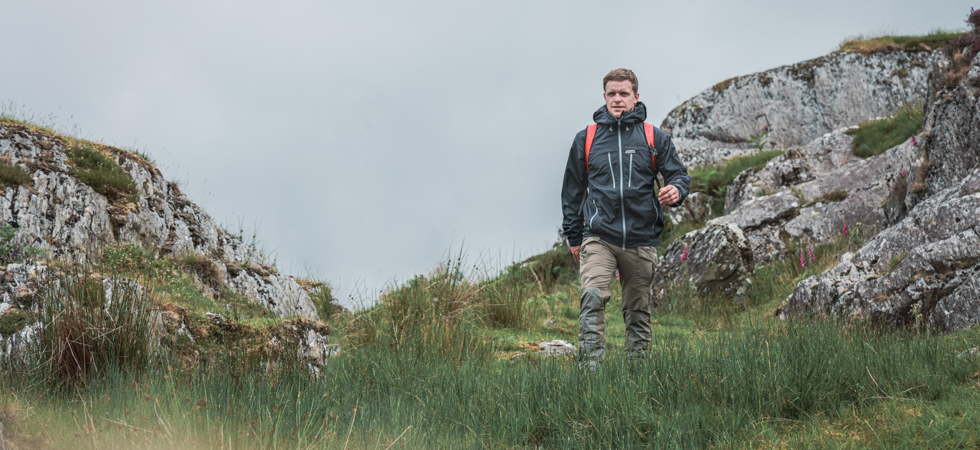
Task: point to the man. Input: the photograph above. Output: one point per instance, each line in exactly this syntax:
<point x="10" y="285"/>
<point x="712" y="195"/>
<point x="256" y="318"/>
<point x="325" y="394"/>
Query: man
<point x="613" y="215"/>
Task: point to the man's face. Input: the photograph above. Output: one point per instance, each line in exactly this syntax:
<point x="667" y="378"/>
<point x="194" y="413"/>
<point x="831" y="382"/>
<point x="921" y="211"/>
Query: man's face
<point x="620" y="97"/>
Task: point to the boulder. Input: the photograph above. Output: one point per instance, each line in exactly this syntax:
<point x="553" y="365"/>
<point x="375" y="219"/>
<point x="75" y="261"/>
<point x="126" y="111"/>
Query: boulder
<point x="716" y="258"/>
<point x="923" y="270"/>
<point x="797" y="103"/>
<point x="695" y="210"/>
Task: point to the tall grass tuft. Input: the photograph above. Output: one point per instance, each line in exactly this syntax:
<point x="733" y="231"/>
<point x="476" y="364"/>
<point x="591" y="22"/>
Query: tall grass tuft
<point x="90" y="325"/>
<point x="428" y="316"/>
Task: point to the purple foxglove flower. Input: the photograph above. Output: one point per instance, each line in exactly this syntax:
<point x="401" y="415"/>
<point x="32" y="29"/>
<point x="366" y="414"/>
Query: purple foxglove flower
<point x="802" y="261"/>
<point x="845" y="230"/>
<point x="809" y="251"/>
<point x="903" y="173"/>
<point x="913" y="140"/>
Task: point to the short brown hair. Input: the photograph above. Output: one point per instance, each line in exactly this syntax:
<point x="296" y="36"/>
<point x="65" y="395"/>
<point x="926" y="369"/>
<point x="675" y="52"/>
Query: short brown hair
<point x="621" y="75"/>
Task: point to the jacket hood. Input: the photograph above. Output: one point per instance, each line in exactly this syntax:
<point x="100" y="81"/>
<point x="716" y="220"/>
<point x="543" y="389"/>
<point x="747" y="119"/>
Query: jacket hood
<point x="635" y="115"/>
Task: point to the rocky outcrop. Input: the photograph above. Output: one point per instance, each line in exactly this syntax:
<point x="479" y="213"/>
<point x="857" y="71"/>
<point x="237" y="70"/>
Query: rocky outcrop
<point x="924" y="269"/>
<point x="69" y="219"/>
<point x="716" y="258"/>
<point x="797" y="103"/>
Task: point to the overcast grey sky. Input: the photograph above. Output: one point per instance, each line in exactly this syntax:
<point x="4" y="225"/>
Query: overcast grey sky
<point x="368" y="138"/>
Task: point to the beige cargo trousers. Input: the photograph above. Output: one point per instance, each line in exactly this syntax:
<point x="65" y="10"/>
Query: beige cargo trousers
<point x="599" y="262"/>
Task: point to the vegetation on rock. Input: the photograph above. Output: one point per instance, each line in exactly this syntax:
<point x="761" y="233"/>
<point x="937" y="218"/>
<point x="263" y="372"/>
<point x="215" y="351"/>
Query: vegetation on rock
<point x="714" y="180"/>
<point x="100" y="172"/>
<point x="887" y="44"/>
<point x="874" y="137"/>
<point x="13" y="175"/>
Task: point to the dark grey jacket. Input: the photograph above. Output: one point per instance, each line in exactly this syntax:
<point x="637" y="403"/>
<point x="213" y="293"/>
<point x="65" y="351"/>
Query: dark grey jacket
<point x="616" y="199"/>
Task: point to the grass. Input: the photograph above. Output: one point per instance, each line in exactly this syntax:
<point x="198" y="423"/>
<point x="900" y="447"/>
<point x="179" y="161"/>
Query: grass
<point x="873" y="138"/>
<point x="429" y="366"/>
<point x="714" y="180"/>
<point x="886" y="44"/>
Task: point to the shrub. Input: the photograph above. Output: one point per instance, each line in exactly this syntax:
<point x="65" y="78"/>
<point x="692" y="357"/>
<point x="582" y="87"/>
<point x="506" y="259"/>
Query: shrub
<point x="202" y="266"/>
<point x="10" y="253"/>
<point x="11" y="175"/>
<point x="873" y="138"/>
<point x="101" y="173"/>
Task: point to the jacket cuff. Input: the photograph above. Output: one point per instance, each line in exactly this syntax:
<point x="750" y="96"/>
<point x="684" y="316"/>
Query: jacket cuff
<point x="575" y="242"/>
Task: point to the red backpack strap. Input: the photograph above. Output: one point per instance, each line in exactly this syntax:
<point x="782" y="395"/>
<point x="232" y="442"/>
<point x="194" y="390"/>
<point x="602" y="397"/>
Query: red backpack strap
<point x="589" y="137"/>
<point x="648" y="130"/>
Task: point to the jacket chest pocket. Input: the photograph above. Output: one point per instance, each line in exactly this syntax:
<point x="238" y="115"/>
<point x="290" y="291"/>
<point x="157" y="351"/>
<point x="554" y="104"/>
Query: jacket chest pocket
<point x="640" y="165"/>
<point x="603" y="169"/>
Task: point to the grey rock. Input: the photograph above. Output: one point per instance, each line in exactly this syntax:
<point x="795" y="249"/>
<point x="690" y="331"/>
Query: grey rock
<point x="315" y="347"/>
<point x="16" y="345"/>
<point x="556" y="347"/>
<point x="761" y="211"/>
<point x="718" y="259"/>
<point x="797" y="103"/>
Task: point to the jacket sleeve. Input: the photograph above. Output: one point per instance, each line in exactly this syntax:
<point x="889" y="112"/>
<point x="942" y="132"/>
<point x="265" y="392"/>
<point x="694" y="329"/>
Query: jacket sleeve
<point x="670" y="166"/>
<point x="573" y="191"/>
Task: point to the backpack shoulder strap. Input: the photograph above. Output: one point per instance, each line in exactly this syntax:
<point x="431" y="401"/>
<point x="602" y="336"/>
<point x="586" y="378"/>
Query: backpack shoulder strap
<point x="648" y="130"/>
<point x="589" y="137"/>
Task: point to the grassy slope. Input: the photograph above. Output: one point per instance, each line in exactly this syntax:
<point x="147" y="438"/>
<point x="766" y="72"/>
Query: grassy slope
<point x="718" y="375"/>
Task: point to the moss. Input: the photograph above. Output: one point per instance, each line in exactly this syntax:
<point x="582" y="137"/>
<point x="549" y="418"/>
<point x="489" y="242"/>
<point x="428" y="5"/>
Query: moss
<point x="895" y="260"/>
<point x="720" y="87"/>
<point x="13" y="321"/>
<point x="836" y="195"/>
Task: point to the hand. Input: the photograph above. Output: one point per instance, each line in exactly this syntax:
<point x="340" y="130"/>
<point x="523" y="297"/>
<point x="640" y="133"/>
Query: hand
<point x="575" y="250"/>
<point x="668" y="195"/>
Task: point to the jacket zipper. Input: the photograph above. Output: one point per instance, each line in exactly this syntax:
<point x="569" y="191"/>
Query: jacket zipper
<point x="609" y="158"/>
<point x="593" y="214"/>
<point x="631" y="171"/>
<point x="622" y="201"/>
